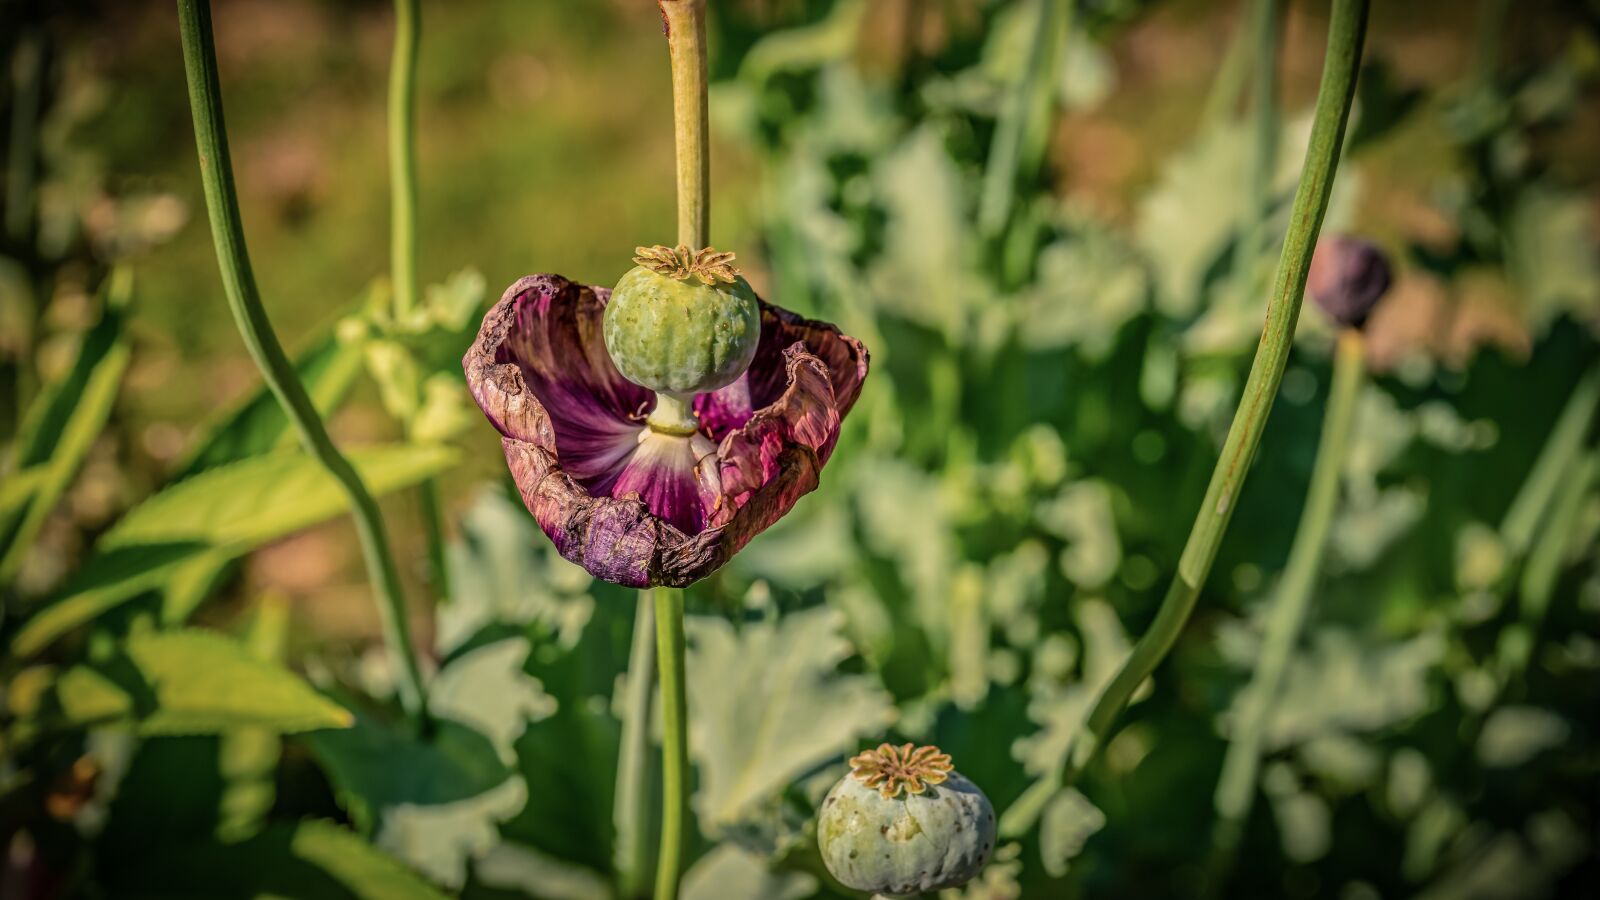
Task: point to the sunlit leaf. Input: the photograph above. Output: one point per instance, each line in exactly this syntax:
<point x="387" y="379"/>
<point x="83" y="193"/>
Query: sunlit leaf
<point x="188" y="682"/>
<point x="62" y="425"/>
<point x="232" y="509"/>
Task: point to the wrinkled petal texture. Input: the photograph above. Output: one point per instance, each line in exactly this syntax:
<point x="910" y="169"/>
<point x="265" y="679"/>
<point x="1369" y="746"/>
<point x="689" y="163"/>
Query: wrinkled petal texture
<point x="630" y="506"/>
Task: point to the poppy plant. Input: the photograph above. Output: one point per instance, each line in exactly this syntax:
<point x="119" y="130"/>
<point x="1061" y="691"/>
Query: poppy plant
<point x="632" y="502"/>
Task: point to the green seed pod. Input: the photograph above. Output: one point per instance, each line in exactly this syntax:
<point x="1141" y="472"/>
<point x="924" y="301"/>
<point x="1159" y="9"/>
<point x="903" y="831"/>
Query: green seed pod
<point x="682" y="322"/>
<point x="904" y="822"/>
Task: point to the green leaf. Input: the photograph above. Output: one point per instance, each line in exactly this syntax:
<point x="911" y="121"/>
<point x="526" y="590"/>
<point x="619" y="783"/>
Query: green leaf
<point x="63" y="424"/>
<point x="244" y="504"/>
<point x="435" y="802"/>
<point x="569" y="758"/>
<point x="230" y="509"/>
<point x="188" y="682"/>
<point x="767" y="704"/>
<point x="311" y="860"/>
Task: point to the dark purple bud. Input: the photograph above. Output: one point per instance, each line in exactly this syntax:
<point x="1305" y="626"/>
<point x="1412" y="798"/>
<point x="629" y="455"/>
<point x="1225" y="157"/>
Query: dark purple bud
<point x="1348" y="277"/>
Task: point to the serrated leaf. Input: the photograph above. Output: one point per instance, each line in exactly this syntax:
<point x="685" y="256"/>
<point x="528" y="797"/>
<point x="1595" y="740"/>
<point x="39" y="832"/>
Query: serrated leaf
<point x="189" y="682"/>
<point x="434" y="801"/>
<point x="569" y="757"/>
<point x="231" y="509"/>
<point x="311" y="860"/>
<point x="767" y="704"/>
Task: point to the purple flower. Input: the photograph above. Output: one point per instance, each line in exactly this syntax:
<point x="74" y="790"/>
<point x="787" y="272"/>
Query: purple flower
<point x="635" y="506"/>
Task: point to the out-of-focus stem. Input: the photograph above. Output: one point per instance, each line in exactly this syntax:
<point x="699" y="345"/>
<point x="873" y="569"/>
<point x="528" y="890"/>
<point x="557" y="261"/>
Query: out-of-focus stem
<point x="249" y="313"/>
<point x="1539" y="489"/>
<point x="403" y="238"/>
<point x="1265" y="28"/>
<point x="633" y="813"/>
<point x="1287" y="617"/>
<point x="674" y="738"/>
<point x="1024" y="118"/>
<point x="685" y="23"/>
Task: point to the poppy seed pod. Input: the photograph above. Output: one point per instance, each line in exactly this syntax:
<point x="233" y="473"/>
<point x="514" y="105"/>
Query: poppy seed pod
<point x="904" y="822"/>
<point x="1349" y="275"/>
<point x="682" y="321"/>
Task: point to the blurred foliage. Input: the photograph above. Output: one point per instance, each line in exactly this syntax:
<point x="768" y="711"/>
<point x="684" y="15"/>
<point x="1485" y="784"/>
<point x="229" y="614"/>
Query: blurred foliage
<point x="1053" y="374"/>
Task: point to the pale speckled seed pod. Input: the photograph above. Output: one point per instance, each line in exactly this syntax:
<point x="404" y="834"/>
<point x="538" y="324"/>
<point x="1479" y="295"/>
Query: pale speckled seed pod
<point x="904" y="823"/>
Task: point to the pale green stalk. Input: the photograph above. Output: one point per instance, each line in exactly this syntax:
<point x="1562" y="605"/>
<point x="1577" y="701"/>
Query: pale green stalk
<point x="674" y="739"/>
<point x="1346" y="31"/>
<point x="1287" y="617"/>
<point x="633" y="812"/>
<point x="685" y="21"/>
<point x="249" y="313"/>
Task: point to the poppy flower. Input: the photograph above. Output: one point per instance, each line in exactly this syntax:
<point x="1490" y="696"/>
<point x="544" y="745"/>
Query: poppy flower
<point x="634" y="505"/>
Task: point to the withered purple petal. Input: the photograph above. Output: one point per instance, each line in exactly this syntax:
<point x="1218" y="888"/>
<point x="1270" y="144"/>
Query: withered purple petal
<point x="661" y="510"/>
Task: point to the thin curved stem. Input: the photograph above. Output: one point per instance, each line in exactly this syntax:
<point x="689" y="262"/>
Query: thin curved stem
<point x="685" y="22"/>
<point x="674" y="738"/>
<point x="249" y="313"/>
<point x="1334" y="96"/>
<point x="1287" y="618"/>
<point x="634" y="811"/>
<point x="403" y="157"/>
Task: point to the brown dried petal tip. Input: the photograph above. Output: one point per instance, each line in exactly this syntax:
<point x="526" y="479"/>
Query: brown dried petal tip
<point x="890" y="768"/>
<point x="706" y="264"/>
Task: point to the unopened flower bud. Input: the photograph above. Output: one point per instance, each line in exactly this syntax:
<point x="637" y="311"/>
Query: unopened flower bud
<point x="1349" y="275"/>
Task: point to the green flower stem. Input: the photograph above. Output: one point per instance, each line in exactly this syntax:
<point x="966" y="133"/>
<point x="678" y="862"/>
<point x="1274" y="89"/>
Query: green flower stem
<point x="1021" y="131"/>
<point x="244" y="300"/>
<point x="403" y="157"/>
<point x="685" y="21"/>
<point x="634" y="810"/>
<point x="674" y="738"/>
<point x="1287" y="618"/>
<point x="1334" y="96"/>
<point x="403" y="236"/>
